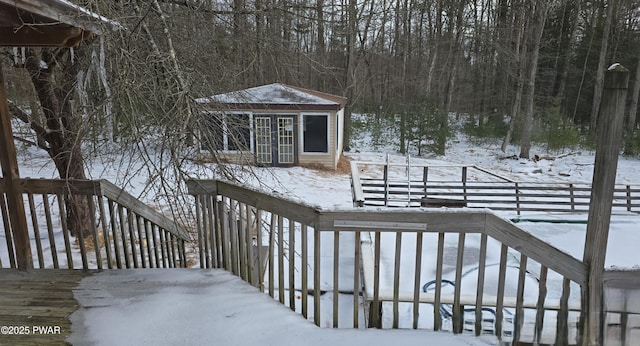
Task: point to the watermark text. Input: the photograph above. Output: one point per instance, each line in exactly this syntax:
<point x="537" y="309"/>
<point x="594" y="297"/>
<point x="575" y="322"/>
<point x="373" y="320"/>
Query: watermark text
<point x="30" y="330"/>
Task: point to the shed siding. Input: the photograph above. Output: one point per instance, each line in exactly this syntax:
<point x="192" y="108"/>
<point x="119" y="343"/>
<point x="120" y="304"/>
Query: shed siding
<point x="323" y="160"/>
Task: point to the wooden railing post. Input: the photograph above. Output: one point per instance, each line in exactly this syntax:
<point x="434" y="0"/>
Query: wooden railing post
<point x="356" y="186"/>
<point x="604" y="176"/>
<point x="386" y="182"/>
<point x="517" y="194"/>
<point x="464" y="182"/>
<point x="15" y="203"/>
<point x="425" y="179"/>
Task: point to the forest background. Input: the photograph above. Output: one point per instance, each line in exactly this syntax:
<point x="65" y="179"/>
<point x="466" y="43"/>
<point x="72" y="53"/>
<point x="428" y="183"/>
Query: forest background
<point x="514" y="70"/>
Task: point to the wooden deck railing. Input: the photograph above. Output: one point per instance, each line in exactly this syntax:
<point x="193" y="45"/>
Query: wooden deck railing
<point x="458" y="270"/>
<point x="125" y="233"/>
<point x="412" y="187"/>
<point x="622" y="300"/>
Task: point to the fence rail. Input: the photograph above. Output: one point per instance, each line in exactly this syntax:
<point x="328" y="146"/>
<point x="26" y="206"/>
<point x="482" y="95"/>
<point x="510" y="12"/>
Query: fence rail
<point x="465" y="271"/>
<point x="380" y="188"/>
<point x="123" y="232"/>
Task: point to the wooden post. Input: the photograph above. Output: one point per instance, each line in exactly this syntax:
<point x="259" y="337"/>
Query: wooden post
<point x="604" y="176"/>
<point x="10" y="173"/>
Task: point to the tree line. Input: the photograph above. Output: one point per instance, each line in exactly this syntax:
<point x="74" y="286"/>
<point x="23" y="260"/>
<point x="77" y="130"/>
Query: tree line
<point x="494" y="59"/>
<point x="487" y="58"/>
<point x="506" y="64"/>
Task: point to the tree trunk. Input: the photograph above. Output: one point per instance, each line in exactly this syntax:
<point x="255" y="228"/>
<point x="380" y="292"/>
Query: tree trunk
<point x="539" y="18"/>
<point x="597" y="92"/>
<point x="62" y="133"/>
<point x="585" y="62"/>
<point x="260" y="34"/>
<point x="520" y="51"/>
<point x="515" y="107"/>
<point x="451" y="78"/>
<point x="321" y="82"/>
<point x="563" y="73"/>
<point x="499" y="69"/>
<point x="453" y="59"/>
<point x="350" y="72"/>
<point x="635" y="94"/>
<point x="435" y="47"/>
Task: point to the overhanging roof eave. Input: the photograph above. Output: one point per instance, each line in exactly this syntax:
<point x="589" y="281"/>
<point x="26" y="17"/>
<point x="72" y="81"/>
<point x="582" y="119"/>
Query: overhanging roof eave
<point x="64" y="12"/>
<point x="271" y="106"/>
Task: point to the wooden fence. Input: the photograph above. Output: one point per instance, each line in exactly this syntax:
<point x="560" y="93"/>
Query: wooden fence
<point x="414" y="188"/>
<point x="464" y="271"/>
<point x="125" y="233"/>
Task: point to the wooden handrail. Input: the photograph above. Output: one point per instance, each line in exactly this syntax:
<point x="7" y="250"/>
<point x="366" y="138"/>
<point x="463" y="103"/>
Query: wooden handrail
<point x="468" y="221"/>
<point x="294" y="210"/>
<point x="122" y="227"/>
<point x="473" y="221"/>
<point x="125" y="199"/>
<point x="100" y="188"/>
<point x="58" y="186"/>
<point x="534" y="248"/>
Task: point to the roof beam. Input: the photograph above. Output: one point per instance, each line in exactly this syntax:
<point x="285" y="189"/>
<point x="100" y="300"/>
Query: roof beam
<point x="59" y="11"/>
<point x="31" y="36"/>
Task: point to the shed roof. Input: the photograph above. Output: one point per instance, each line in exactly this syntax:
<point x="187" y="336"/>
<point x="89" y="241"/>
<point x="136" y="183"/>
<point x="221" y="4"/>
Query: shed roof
<point x="51" y="23"/>
<point x="276" y="96"/>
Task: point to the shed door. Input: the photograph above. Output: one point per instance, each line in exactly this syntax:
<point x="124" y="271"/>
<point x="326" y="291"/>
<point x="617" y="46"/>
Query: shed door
<point x="275" y="140"/>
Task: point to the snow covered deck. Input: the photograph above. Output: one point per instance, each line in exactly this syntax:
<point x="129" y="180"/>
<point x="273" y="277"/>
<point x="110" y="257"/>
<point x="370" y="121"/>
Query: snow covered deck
<point x="168" y="307"/>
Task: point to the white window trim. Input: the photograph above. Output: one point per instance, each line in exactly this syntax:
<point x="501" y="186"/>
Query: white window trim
<point x="340" y="132"/>
<point x="226" y="132"/>
<point x="301" y="136"/>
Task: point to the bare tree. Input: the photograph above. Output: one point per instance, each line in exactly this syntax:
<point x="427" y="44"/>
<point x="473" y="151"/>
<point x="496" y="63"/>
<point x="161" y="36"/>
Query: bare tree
<point x="597" y="92"/>
<point x="53" y="73"/>
<point x="520" y="42"/>
<point x="451" y="70"/>
<point x="350" y="69"/>
<point x="539" y="11"/>
<point x="635" y="94"/>
<point x="573" y="12"/>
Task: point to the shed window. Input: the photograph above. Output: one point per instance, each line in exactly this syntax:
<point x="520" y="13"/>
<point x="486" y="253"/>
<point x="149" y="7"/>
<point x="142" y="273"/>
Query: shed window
<point x="212" y="134"/>
<point x="315" y="137"/>
<point x="227" y="132"/>
<point x="238" y="132"/>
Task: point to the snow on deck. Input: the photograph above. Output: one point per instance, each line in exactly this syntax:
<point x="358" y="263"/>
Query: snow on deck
<point x="197" y="307"/>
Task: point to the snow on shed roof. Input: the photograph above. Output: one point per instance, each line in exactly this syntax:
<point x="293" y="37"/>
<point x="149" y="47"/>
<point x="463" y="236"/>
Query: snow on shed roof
<point x="276" y="94"/>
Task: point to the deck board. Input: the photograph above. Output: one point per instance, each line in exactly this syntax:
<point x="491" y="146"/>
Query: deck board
<point x="38" y="298"/>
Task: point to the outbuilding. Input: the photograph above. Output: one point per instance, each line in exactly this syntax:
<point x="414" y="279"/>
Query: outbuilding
<point x="274" y="125"/>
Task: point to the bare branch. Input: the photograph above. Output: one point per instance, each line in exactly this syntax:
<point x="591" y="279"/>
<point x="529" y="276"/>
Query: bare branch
<point x="24" y="140"/>
<point x="41" y="132"/>
<point x="204" y="7"/>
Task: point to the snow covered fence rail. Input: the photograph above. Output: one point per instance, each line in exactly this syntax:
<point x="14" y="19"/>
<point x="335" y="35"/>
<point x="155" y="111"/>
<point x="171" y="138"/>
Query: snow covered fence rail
<point x="123" y="232"/>
<point x="390" y="267"/>
<point x="375" y="184"/>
